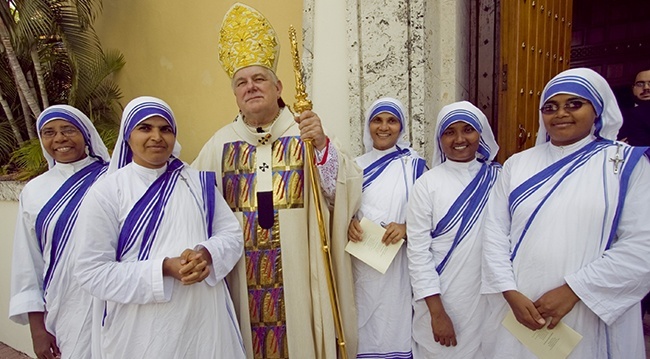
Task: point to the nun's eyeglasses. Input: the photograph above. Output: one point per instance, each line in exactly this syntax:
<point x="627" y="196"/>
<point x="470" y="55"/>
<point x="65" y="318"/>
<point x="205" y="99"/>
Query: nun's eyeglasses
<point x="66" y="132"/>
<point x="550" y="108"/>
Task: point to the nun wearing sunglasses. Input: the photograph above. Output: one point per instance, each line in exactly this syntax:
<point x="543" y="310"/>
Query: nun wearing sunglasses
<point x="567" y="236"/>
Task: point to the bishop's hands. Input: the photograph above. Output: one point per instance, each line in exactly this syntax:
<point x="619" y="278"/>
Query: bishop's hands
<point x="192" y="266"/>
<point x="311" y="129"/>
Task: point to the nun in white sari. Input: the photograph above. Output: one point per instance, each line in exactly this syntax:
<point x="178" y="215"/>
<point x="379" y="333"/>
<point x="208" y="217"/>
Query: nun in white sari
<point x="390" y="167"/>
<point x="41" y="280"/>
<point x="445" y="215"/>
<point x="159" y="241"/>
<point x="567" y="229"/>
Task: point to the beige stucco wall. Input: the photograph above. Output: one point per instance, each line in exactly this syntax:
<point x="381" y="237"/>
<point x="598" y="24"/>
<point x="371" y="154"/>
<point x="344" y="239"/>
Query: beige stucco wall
<point x="170" y="50"/>
<point x="11" y="333"/>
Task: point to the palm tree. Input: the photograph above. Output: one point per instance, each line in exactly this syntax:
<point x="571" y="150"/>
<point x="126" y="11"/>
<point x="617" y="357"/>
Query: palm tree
<point x="51" y="55"/>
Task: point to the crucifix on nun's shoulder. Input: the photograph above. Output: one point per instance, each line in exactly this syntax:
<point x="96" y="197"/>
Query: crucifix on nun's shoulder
<point x="617" y="160"/>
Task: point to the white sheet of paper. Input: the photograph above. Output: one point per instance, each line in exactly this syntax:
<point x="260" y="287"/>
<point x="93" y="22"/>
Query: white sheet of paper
<point x="556" y="343"/>
<point x="370" y="250"/>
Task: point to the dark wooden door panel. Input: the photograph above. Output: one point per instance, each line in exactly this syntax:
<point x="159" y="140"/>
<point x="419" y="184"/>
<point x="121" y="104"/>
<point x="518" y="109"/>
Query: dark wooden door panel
<point x="535" y="39"/>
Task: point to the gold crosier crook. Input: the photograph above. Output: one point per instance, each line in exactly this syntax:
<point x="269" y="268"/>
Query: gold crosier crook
<point x="303" y="104"/>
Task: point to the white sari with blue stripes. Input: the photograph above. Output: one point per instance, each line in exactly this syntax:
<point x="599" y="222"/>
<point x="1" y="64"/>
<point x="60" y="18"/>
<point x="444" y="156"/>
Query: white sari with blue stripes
<point x="43" y="241"/>
<point x="574" y="219"/>
<point x="147" y="315"/>
<point x="48" y="210"/>
<point x="445" y="214"/>
<point x="384" y="301"/>
<point x="446" y="210"/>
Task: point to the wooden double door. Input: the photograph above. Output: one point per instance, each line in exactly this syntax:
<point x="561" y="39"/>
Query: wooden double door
<point x="535" y="46"/>
<point x="517" y="46"/>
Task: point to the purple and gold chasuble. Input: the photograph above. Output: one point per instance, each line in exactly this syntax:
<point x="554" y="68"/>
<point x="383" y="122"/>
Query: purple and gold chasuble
<point x="279" y="287"/>
<point x="258" y="181"/>
<point x="262" y="248"/>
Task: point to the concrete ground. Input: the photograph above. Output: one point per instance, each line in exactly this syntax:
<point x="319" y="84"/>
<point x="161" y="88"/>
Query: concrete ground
<point x="7" y="352"/>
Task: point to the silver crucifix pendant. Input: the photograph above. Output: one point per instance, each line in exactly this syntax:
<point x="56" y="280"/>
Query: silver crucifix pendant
<point x="617" y="160"/>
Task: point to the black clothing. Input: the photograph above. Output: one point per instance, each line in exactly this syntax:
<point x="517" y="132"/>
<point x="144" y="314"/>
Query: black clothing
<point x="636" y="125"/>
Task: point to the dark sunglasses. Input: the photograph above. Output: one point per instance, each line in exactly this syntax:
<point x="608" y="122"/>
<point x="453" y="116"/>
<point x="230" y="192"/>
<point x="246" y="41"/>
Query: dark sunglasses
<point x="550" y="108"/>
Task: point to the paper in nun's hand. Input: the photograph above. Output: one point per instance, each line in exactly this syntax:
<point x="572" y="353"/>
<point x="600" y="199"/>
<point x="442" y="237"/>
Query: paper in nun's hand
<point x="371" y="250"/>
<point x="556" y="343"/>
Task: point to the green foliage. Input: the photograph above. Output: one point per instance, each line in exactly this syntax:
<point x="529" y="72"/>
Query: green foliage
<point x="72" y="67"/>
<point x="7" y="142"/>
<point x="97" y="95"/>
<point x="109" y="134"/>
<point x="29" y="158"/>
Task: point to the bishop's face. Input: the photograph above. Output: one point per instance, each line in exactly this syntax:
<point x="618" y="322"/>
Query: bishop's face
<point x="257" y="92"/>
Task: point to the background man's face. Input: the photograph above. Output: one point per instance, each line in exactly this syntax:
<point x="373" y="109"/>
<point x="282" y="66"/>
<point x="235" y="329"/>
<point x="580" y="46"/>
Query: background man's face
<point x="641" y="88"/>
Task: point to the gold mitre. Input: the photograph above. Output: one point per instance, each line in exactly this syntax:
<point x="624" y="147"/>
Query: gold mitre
<point x="247" y="38"/>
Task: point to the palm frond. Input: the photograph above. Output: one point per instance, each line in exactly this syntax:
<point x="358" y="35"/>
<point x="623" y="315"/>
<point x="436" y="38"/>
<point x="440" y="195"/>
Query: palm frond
<point x="102" y="105"/>
<point x="7" y="85"/>
<point x="96" y="93"/>
<point x="109" y="134"/>
<point x="113" y="61"/>
<point x="7" y="142"/>
<point x="7" y="14"/>
<point x="58" y="73"/>
<point x="87" y="10"/>
<point x="29" y="158"/>
<point x="32" y="23"/>
<point x="73" y="68"/>
<point x="102" y="69"/>
<point x="80" y="42"/>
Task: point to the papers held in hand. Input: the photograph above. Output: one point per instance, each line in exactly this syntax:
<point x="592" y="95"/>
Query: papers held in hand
<point x="556" y="343"/>
<point x="371" y="250"/>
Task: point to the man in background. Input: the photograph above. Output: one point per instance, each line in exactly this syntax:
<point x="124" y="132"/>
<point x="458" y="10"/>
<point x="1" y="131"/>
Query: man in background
<point x="636" y="120"/>
<point x="636" y="129"/>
